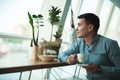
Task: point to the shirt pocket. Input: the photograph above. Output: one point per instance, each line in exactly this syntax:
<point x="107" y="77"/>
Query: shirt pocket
<point x="98" y="58"/>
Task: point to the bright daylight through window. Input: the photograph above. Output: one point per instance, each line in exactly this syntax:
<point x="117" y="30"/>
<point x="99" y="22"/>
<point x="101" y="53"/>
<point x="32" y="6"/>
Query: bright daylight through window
<point x="14" y="23"/>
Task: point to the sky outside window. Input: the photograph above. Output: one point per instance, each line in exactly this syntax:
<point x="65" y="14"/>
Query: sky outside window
<point x="14" y="13"/>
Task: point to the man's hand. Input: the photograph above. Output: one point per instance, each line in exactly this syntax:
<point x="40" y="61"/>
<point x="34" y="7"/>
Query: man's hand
<point x="91" y="68"/>
<point x="72" y="59"/>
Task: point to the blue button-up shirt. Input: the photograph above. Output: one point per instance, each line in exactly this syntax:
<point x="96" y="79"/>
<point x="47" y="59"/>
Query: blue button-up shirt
<point x="102" y="51"/>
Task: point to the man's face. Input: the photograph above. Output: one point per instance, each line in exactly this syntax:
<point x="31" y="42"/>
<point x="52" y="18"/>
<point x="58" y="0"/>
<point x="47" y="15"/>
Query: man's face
<point x="82" y="29"/>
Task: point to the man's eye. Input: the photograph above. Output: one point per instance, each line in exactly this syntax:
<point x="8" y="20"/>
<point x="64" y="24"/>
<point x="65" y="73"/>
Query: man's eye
<point x="78" y="24"/>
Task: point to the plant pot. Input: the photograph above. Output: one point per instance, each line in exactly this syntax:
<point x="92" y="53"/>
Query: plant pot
<point x="53" y="45"/>
<point x="33" y="52"/>
<point x="35" y="57"/>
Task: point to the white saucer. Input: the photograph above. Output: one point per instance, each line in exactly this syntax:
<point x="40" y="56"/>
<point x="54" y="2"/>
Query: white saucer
<point x="82" y="64"/>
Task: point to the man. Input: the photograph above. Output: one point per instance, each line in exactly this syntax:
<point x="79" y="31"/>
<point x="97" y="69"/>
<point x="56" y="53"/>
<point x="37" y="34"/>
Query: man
<point x="102" y="54"/>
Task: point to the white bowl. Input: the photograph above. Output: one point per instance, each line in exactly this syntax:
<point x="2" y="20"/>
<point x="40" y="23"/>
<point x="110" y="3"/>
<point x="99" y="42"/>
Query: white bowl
<point x="47" y="58"/>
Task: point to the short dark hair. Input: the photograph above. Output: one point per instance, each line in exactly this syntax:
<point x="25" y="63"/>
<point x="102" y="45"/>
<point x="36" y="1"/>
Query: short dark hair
<point x="91" y="19"/>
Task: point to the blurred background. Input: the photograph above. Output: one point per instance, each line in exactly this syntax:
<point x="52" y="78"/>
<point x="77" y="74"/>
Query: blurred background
<point x="15" y="30"/>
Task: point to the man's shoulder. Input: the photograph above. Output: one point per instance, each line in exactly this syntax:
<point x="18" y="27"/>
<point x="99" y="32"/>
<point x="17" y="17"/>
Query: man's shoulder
<point x="106" y="39"/>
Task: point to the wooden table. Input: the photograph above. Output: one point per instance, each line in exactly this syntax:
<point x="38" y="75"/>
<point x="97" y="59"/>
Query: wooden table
<point x="10" y="63"/>
<point x="19" y="62"/>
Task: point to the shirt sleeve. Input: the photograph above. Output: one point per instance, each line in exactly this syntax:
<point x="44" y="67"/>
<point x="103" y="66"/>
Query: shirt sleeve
<point x="114" y="56"/>
<point x="73" y="49"/>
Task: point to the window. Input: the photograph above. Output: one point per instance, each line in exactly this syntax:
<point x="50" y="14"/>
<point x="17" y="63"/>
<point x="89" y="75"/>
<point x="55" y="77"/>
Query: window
<point x="15" y="27"/>
<point x="14" y="17"/>
<point x="15" y="32"/>
<point x="107" y="12"/>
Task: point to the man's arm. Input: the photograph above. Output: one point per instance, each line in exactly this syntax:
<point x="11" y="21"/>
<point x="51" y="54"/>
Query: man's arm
<point x="114" y="56"/>
<point x="73" y="49"/>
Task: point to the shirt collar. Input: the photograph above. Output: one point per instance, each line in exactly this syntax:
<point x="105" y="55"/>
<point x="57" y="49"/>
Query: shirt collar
<point x="95" y="38"/>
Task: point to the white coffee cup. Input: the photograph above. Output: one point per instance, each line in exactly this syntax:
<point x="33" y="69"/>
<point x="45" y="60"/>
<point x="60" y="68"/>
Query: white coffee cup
<point x="81" y="57"/>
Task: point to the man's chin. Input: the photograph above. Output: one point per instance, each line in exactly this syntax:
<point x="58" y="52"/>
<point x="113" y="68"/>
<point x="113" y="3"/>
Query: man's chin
<point x="79" y="37"/>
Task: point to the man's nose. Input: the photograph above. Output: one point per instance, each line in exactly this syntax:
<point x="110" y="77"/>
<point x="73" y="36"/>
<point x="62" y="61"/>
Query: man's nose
<point x="76" y="28"/>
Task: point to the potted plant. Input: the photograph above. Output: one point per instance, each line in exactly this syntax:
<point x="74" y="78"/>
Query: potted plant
<point x="35" y="22"/>
<point x="57" y="36"/>
<point x="54" y="18"/>
<point x="38" y="20"/>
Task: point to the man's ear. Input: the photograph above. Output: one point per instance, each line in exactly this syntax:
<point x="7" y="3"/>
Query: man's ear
<point x="90" y="27"/>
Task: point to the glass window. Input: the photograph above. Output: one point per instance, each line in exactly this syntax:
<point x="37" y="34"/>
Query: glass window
<point x="9" y="45"/>
<point x="104" y="15"/>
<point x="89" y="6"/>
<point x="114" y="25"/>
<point x="14" y="24"/>
<point x="14" y="17"/>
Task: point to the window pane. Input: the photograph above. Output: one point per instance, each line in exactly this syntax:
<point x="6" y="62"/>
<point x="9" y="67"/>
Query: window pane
<point x="113" y="30"/>
<point x="89" y="6"/>
<point x="14" y="17"/>
<point x="9" y="45"/>
<point x="104" y="15"/>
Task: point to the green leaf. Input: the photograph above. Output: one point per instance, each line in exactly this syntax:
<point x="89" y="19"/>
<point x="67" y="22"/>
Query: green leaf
<point x="40" y="16"/>
<point x="34" y="16"/>
<point x="41" y="25"/>
<point x="31" y="21"/>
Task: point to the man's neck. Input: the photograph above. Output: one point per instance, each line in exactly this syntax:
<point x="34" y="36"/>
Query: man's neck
<point x="88" y="40"/>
